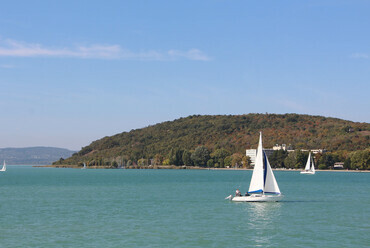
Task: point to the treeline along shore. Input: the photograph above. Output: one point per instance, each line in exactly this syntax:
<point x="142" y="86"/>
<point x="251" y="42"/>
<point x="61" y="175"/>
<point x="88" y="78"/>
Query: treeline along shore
<point x="184" y="167"/>
<point x="220" y="141"/>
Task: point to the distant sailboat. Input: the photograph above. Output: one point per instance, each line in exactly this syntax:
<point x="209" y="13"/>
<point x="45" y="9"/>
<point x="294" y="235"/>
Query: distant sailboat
<point x="4" y="167"/>
<point x="84" y="166"/>
<point x="310" y="166"/>
<point x="263" y="186"/>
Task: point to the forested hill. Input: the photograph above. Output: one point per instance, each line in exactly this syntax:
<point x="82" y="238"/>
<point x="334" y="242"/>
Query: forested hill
<point x="234" y="133"/>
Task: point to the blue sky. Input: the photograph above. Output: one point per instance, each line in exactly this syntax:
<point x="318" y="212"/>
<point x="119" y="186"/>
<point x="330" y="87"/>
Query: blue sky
<point x="72" y="72"/>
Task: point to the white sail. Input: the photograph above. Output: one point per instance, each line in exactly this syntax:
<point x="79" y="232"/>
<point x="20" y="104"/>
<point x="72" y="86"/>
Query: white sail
<point x="4" y="167"/>
<point x="256" y="185"/>
<point x="308" y="164"/>
<point x="271" y="185"/>
<point x="312" y="165"/>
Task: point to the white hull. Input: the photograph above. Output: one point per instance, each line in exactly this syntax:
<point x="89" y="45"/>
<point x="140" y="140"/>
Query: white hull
<point x="257" y="198"/>
<point x="308" y="172"/>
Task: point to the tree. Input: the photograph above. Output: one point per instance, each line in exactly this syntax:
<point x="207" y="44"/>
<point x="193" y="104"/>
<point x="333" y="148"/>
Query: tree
<point x="360" y="160"/>
<point x="114" y="164"/>
<point x="227" y="161"/>
<point x="347" y="163"/>
<point x="290" y="160"/>
<point x="210" y="163"/>
<point x="142" y="162"/>
<point x="158" y="159"/>
<point x="175" y="157"/>
<point x="236" y="159"/>
<point x="246" y="161"/>
<point x="326" y="161"/>
<point x="186" y="158"/>
<point x="301" y="159"/>
<point x="166" y="162"/>
<point x="100" y="161"/>
<point x="277" y="158"/>
<point x="60" y="161"/>
<point x="219" y="156"/>
<point x="172" y="157"/>
<point x="322" y="166"/>
<point x="179" y="153"/>
<point x="200" y="156"/>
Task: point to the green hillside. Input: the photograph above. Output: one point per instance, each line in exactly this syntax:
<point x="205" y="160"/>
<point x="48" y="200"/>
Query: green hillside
<point x="234" y="133"/>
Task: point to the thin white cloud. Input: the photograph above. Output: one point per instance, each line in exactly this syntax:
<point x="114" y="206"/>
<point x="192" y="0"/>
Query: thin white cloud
<point x="192" y="54"/>
<point x="11" y="48"/>
<point x="360" y="56"/>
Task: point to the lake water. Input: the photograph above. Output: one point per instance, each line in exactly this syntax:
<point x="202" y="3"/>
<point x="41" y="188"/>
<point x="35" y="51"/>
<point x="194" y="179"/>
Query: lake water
<point x="47" y="207"/>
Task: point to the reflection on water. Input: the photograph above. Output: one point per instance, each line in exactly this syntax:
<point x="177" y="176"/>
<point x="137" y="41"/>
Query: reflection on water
<point x="262" y="222"/>
<point x="266" y="211"/>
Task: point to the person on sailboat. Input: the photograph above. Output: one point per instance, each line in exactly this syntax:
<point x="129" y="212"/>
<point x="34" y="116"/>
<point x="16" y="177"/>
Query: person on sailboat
<point x="237" y="193"/>
<point x="247" y="194"/>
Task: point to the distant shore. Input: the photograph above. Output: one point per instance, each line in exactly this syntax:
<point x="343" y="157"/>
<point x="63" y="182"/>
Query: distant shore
<point x="173" y="167"/>
<point x="283" y="169"/>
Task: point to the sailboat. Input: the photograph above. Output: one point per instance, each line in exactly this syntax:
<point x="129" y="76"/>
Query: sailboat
<point x="310" y="166"/>
<point x="84" y="166"/>
<point x="263" y="186"/>
<point x="4" y="167"/>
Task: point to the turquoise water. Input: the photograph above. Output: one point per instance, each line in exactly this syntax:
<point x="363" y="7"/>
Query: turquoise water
<point x="47" y="207"/>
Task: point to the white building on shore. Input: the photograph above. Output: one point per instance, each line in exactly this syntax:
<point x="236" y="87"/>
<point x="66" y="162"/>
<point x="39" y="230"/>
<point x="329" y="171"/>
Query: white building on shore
<point x="283" y="147"/>
<point x="253" y="152"/>
<point x="314" y="151"/>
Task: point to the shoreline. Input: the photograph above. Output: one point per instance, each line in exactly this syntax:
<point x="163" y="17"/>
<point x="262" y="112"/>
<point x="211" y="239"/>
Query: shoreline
<point x="173" y="167"/>
<point x="293" y="170"/>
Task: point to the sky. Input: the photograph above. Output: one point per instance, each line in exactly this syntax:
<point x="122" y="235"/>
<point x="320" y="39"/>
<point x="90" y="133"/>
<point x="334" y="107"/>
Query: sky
<point x="72" y="72"/>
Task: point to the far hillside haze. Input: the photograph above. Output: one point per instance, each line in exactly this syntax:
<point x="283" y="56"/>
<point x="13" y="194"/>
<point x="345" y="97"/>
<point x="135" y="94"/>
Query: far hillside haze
<point x="33" y="155"/>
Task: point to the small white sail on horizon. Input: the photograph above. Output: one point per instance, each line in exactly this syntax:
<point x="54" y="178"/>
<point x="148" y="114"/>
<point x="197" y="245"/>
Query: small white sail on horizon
<point x="4" y="167"/>
<point x="263" y="186"/>
<point x="310" y="166"/>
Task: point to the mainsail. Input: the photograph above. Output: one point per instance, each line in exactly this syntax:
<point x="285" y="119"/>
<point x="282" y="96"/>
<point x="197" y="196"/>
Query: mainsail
<point x="308" y="164"/>
<point x="256" y="185"/>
